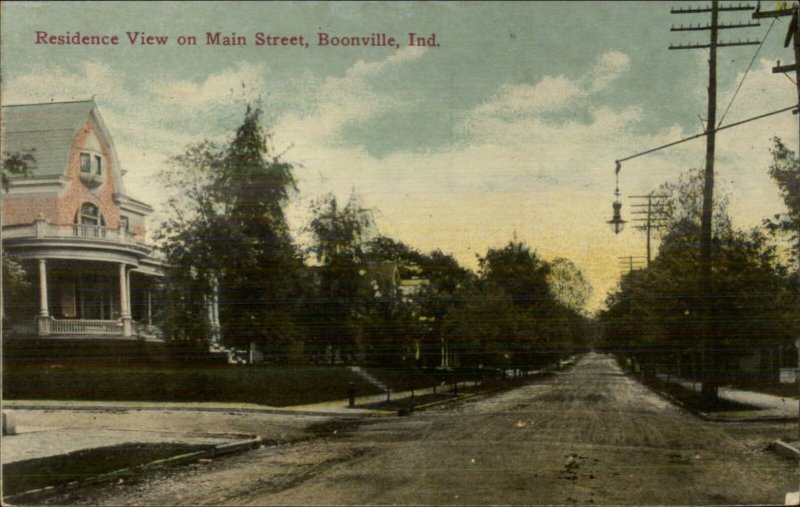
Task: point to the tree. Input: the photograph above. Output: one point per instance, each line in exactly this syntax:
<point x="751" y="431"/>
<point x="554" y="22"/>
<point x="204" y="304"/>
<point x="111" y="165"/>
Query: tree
<point x="568" y="285"/>
<point x="785" y="170"/>
<point x="655" y="314"/>
<point x="338" y="236"/>
<point x="227" y="232"/>
<point x="520" y="273"/>
<point x="14" y="276"/>
<point x="16" y="164"/>
<point x="684" y="202"/>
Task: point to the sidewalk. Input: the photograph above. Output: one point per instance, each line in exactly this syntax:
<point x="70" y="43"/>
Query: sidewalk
<point x="32" y="443"/>
<point x="325" y="408"/>
<point x="770" y="406"/>
<point x="36" y="439"/>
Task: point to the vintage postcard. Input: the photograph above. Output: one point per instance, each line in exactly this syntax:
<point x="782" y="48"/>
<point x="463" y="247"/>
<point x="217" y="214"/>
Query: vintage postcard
<point x="428" y="253"/>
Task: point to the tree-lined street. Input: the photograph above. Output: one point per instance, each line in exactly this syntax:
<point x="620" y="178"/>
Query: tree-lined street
<point x="588" y="435"/>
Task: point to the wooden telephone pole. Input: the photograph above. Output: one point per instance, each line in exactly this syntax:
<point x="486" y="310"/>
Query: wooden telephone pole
<point x="650" y="215"/>
<point x="709" y="387"/>
<point x="793" y="33"/>
<point x="630" y="262"/>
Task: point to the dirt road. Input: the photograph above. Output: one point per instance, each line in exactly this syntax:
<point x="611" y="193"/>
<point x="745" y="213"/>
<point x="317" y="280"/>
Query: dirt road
<point x="589" y="435"/>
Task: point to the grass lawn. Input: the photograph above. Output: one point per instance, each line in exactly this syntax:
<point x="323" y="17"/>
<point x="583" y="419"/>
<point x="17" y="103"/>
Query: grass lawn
<point x="402" y="379"/>
<point x="38" y="473"/>
<point x="275" y="386"/>
<point x="693" y="400"/>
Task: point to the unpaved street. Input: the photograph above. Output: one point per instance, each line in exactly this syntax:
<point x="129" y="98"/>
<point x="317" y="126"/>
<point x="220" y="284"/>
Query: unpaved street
<point x="587" y="435"/>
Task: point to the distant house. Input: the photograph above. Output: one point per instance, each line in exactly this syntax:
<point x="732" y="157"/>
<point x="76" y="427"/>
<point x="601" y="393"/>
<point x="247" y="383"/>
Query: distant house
<point x="74" y="228"/>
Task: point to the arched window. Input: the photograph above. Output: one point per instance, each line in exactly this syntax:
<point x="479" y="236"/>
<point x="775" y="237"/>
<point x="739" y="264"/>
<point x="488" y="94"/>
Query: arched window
<point x="89" y="214"/>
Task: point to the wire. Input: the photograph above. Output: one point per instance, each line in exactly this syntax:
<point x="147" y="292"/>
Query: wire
<point x="741" y="81"/>
<point x="730" y="125"/>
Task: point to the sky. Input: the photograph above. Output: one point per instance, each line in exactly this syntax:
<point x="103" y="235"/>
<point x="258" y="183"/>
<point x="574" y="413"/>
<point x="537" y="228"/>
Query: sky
<point x="508" y="126"/>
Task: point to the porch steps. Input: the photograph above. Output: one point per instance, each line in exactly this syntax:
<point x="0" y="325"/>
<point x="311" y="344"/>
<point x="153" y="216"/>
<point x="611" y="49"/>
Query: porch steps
<point x="369" y="378"/>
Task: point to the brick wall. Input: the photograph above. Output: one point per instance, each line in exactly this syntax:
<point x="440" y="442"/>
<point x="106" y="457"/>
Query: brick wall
<point x="63" y="208"/>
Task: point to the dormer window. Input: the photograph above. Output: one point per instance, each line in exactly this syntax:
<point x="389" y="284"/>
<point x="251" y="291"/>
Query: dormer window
<point x="89" y="214"/>
<point x="91" y="164"/>
<point x="86" y="163"/>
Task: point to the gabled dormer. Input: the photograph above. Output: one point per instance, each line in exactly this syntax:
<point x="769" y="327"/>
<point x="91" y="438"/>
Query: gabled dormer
<point x="76" y="177"/>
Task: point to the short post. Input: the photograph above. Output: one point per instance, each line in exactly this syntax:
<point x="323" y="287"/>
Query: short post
<point x="351" y="394"/>
<point x="9" y="426"/>
<point x="797" y="380"/>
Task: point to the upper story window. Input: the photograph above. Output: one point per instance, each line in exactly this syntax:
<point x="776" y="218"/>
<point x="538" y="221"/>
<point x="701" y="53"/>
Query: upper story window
<point x="91" y="164"/>
<point x="89" y="214"/>
<point x="124" y="223"/>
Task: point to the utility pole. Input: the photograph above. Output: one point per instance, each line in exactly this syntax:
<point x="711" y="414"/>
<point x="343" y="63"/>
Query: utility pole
<point x="709" y="387"/>
<point x="630" y="262"/>
<point x="793" y="33"/>
<point x="654" y="216"/>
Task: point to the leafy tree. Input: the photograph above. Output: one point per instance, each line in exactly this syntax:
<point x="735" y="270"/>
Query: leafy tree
<point x="655" y="313"/>
<point x="785" y="170"/>
<point x="684" y="202"/>
<point x="338" y="245"/>
<point x="14" y="276"/>
<point x="227" y="232"/>
<point x="16" y="164"/>
<point x="568" y="285"/>
<point x="520" y="273"/>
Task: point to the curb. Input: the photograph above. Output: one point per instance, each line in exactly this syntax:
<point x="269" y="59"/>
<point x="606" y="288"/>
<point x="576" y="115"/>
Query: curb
<point x="155" y="408"/>
<point x="784" y="449"/>
<point x="252" y="442"/>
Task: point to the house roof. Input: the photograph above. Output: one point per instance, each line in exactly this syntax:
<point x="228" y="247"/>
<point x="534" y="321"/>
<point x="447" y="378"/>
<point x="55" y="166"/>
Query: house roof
<point x="48" y="129"/>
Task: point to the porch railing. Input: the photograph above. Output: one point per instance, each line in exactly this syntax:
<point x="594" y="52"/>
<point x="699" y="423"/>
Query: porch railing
<point x="90" y="327"/>
<point x="43" y="229"/>
<point x="19" y="231"/>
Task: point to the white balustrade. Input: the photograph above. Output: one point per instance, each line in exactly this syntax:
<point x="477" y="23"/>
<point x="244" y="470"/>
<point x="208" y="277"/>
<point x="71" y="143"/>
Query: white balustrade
<point x="90" y="327"/>
<point x="48" y="230"/>
<point x="19" y="231"/>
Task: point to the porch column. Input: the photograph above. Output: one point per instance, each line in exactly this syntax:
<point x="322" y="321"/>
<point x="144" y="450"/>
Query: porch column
<point x="149" y="306"/>
<point x="213" y="311"/>
<point x="124" y="309"/>
<point x="43" y="320"/>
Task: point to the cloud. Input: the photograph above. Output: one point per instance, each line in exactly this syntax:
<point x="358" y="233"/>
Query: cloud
<point x="244" y="82"/>
<point x="344" y="100"/>
<point x="609" y="67"/>
<point x="55" y="83"/>
<point x="551" y="93"/>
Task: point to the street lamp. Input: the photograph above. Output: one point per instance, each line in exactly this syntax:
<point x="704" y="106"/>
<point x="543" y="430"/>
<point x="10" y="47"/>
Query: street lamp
<point x="617" y="223"/>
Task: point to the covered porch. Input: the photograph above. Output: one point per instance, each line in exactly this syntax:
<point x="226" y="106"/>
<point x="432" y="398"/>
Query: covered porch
<point x="85" y="298"/>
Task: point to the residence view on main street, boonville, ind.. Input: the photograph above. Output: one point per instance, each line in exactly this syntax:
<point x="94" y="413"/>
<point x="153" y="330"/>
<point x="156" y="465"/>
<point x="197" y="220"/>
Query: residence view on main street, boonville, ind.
<point x="290" y="253"/>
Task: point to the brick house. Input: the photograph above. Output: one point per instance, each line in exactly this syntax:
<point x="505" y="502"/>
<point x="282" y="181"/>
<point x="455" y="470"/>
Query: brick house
<point x="77" y="233"/>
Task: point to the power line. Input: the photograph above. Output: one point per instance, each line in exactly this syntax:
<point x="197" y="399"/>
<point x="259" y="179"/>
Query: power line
<point x="730" y="125"/>
<point x="735" y="93"/>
